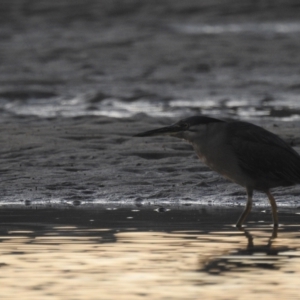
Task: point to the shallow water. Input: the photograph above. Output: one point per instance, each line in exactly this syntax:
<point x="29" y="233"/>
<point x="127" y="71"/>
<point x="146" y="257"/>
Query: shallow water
<point x="146" y="252"/>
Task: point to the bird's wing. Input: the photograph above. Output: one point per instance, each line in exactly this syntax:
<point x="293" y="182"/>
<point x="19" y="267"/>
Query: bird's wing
<point x="260" y="152"/>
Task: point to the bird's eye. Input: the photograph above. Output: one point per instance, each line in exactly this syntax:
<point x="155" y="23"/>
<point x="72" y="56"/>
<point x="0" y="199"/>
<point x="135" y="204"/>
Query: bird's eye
<point x="184" y="125"/>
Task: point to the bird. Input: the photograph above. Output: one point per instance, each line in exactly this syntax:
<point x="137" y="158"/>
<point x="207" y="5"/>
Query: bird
<point x="242" y="152"/>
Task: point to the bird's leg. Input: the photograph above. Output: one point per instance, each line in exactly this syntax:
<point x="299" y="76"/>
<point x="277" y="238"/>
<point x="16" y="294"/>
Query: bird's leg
<point x="274" y="208"/>
<point x="247" y="208"/>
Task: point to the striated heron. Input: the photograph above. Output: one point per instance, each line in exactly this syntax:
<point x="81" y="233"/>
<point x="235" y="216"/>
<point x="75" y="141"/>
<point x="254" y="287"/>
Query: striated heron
<point x="241" y="152"/>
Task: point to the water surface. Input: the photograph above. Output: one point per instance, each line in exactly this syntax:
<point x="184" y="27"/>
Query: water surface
<point x="146" y="253"/>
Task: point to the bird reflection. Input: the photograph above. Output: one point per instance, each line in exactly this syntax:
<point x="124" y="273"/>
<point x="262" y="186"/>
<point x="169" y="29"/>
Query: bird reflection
<point x="264" y="256"/>
<point x="249" y="237"/>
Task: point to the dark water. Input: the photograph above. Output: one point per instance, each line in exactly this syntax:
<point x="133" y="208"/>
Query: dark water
<point x="146" y="253"/>
<point x="166" y="59"/>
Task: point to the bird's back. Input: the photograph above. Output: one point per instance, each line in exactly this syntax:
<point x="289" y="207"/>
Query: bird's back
<point x="263" y="156"/>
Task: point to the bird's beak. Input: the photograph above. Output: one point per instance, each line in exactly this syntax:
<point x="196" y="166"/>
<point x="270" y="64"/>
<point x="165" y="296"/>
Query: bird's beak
<point x="168" y="130"/>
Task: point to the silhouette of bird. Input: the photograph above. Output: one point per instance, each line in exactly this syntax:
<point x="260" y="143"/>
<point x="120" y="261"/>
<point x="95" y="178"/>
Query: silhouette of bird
<point x="241" y="152"/>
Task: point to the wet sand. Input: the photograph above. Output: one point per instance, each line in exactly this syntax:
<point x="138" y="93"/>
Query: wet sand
<point x="83" y="159"/>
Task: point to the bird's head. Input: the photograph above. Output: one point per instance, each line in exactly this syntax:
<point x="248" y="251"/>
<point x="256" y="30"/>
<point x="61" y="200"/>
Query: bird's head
<point x="182" y="129"/>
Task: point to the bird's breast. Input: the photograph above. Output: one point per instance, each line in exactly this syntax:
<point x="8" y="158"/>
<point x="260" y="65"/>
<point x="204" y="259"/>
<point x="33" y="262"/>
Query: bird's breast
<point x="213" y="150"/>
<point x="223" y="162"/>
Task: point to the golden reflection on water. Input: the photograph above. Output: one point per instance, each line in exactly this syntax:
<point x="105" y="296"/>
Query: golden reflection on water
<point x="76" y="262"/>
